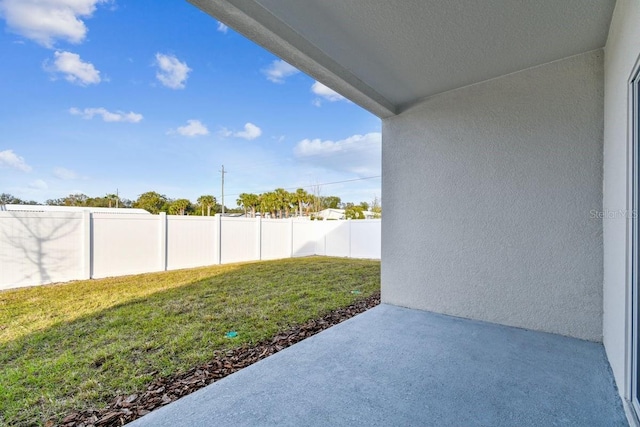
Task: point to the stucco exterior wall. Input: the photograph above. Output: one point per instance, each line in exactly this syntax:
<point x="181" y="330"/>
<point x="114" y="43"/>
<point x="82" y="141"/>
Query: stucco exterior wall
<point x="489" y="193"/>
<point x="621" y="53"/>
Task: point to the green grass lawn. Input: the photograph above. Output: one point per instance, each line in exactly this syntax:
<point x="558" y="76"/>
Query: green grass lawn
<point x="77" y="345"/>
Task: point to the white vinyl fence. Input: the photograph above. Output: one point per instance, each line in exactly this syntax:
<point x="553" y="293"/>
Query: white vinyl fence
<point x="46" y="247"/>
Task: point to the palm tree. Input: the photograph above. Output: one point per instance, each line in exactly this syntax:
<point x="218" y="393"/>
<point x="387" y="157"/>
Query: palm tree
<point x="179" y="207"/>
<point x="208" y="202"/>
<point x="243" y="202"/>
<point x="252" y="201"/>
<point x="283" y="201"/>
<point x="113" y="199"/>
<point x="268" y="203"/>
<point x="300" y="197"/>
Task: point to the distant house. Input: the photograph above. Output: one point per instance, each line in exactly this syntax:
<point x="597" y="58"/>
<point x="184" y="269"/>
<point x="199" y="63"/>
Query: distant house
<point x="339" y="214"/>
<point x="47" y="208"/>
<point x="331" y="214"/>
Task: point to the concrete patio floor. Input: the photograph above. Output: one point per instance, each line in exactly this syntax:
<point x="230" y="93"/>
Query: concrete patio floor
<point x="395" y="366"/>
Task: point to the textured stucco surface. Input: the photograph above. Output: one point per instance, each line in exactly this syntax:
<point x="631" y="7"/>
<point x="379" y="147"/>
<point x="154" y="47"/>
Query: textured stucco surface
<point x="392" y="366"/>
<point x="488" y="194"/>
<point x="385" y="55"/>
<point x="621" y="53"/>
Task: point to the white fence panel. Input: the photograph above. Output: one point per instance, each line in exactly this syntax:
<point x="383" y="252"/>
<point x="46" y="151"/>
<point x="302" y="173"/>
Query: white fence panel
<point x="46" y="247"/>
<point x="365" y="239"/>
<point x="336" y="238"/>
<point x="240" y="239"/>
<point x="320" y="229"/>
<point x="192" y="241"/>
<point x="127" y="244"/>
<point x="276" y="238"/>
<point x="305" y="237"/>
<point x="41" y="247"/>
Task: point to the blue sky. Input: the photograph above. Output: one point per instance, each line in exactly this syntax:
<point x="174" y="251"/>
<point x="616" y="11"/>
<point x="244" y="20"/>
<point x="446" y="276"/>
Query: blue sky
<point x="99" y="95"/>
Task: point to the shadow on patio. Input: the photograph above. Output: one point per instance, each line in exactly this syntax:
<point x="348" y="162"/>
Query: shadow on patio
<point x="396" y="366"/>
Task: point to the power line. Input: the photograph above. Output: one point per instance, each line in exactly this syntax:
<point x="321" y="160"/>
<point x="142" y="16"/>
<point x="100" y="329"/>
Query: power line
<point x="315" y="185"/>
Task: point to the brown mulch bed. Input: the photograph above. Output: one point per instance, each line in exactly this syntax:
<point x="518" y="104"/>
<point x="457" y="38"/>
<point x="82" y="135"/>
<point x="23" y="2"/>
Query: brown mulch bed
<point x="161" y="391"/>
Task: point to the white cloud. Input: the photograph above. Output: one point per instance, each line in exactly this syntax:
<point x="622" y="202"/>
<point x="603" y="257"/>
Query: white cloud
<point x="250" y="132"/>
<point x="359" y="154"/>
<point x="65" y="174"/>
<point x="74" y="69"/>
<point x="10" y="159"/>
<point x="107" y="116"/>
<point x="45" y="21"/>
<point x="325" y="92"/>
<point x="279" y="70"/>
<point x="38" y="184"/>
<point x="222" y="28"/>
<point x="172" y="72"/>
<point x="191" y="129"/>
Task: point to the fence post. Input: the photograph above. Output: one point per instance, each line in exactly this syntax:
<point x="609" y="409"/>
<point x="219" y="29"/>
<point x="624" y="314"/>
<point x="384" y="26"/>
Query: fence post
<point x="260" y="238"/>
<point x="349" y="236"/>
<point x="87" y="249"/>
<point x="163" y="240"/>
<point x="219" y="219"/>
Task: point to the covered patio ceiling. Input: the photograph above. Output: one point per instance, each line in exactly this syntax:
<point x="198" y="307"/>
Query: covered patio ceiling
<point x="386" y="55"/>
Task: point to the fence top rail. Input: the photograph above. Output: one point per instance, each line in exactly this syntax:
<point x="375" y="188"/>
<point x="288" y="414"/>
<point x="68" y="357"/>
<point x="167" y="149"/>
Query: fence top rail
<point x="47" y="208"/>
<point x="191" y="218"/>
<point x="239" y="219"/>
<point x="304" y="220"/>
<point x="42" y="215"/>
<point x="134" y="216"/>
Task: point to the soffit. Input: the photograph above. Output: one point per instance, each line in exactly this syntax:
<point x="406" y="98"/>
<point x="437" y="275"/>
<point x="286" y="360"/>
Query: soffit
<point x="386" y="54"/>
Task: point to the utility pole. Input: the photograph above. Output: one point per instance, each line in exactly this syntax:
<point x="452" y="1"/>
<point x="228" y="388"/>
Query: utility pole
<point x="222" y="172"/>
<point x="117" y="197"/>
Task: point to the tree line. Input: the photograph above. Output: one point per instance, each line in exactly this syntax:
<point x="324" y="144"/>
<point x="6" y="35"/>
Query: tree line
<point x="278" y="203"/>
<point x="281" y="203"/>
